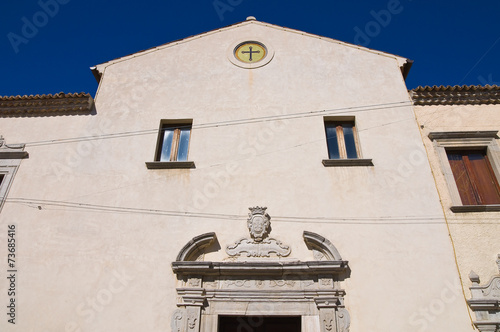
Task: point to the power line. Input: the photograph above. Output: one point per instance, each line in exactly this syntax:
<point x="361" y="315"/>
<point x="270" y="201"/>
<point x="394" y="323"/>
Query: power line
<point x="344" y="110"/>
<point x="381" y="220"/>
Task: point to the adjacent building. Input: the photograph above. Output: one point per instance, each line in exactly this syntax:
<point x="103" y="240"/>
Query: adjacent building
<point x="459" y="127"/>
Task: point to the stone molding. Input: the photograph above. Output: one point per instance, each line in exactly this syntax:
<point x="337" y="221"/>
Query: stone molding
<point x="195" y="247"/>
<point x="271" y="268"/>
<point x="12" y="151"/>
<point x="170" y="164"/>
<point x="485" y="302"/>
<point x="475" y="208"/>
<point x="321" y="247"/>
<point x="463" y="134"/>
<point x="346" y="162"/>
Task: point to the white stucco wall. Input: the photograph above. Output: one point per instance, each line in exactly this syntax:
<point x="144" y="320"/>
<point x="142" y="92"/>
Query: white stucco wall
<point x="125" y="224"/>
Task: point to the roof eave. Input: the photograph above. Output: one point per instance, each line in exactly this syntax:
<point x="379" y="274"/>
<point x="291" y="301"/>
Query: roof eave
<point x="404" y="63"/>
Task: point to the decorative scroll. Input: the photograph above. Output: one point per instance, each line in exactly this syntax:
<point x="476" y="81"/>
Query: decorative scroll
<point x="258" y="249"/>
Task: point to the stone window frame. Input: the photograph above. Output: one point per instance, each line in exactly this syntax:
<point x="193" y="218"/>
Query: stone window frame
<point x="10" y="160"/>
<point x="343" y="161"/>
<point x="170" y="164"/>
<point x="8" y="170"/>
<point x="466" y="140"/>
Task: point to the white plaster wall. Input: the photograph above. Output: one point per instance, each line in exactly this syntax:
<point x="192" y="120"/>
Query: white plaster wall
<point x="124" y="219"/>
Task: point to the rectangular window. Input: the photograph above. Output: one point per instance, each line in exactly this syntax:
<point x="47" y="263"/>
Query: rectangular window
<point x="342" y="143"/>
<point x="174" y="142"/>
<point x="341" y="139"/>
<point x="173" y="145"/>
<point x="474" y="177"/>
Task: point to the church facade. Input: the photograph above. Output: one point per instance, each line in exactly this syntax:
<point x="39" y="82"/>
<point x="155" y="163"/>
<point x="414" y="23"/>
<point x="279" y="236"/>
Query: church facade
<point x="282" y="181"/>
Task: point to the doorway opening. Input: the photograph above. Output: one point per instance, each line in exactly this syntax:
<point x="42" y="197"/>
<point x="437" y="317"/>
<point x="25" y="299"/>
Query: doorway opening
<point x="259" y="324"/>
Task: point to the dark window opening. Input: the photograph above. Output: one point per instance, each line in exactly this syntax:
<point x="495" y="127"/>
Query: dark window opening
<point x="259" y="324"/>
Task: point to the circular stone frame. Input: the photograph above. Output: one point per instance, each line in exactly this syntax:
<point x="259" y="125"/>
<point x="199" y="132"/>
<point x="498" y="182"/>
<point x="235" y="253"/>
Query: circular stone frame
<point x="231" y="54"/>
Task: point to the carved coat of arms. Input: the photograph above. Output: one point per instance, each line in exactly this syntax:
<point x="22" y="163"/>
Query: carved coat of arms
<point x="260" y="245"/>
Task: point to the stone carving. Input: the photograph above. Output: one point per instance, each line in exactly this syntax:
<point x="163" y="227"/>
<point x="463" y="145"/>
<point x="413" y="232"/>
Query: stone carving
<point x="258" y="223"/>
<point x="192" y="318"/>
<point x="318" y="255"/>
<point x="321" y="247"/>
<point x="328" y="321"/>
<point x="493" y="289"/>
<point x="194" y="282"/>
<point x="485" y="302"/>
<point x="281" y="283"/>
<point x="210" y="284"/>
<point x="343" y="320"/>
<point x="326" y="281"/>
<point x="474" y="277"/>
<point x="241" y="286"/>
<point x="176" y="323"/>
<point x="308" y="283"/>
<point x="258" y="249"/>
<point x="237" y="283"/>
<point x="194" y="249"/>
<point x="259" y="245"/>
<point x="498" y="262"/>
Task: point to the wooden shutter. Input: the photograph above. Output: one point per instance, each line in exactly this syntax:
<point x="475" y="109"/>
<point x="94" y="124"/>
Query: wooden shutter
<point x="475" y="179"/>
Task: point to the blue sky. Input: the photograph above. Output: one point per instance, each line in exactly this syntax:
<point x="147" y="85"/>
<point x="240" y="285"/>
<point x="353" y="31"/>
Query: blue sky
<point x="47" y="46"/>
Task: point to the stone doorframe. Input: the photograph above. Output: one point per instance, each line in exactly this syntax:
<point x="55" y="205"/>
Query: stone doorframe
<point x="263" y="287"/>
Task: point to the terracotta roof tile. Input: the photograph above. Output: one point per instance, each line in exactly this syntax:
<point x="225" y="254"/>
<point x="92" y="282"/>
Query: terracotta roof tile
<point x="456" y="95"/>
<point x="45" y="105"/>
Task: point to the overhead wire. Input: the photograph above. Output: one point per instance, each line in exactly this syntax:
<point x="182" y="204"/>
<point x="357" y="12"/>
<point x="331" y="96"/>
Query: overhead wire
<point x="378" y="220"/>
<point x="343" y="110"/>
